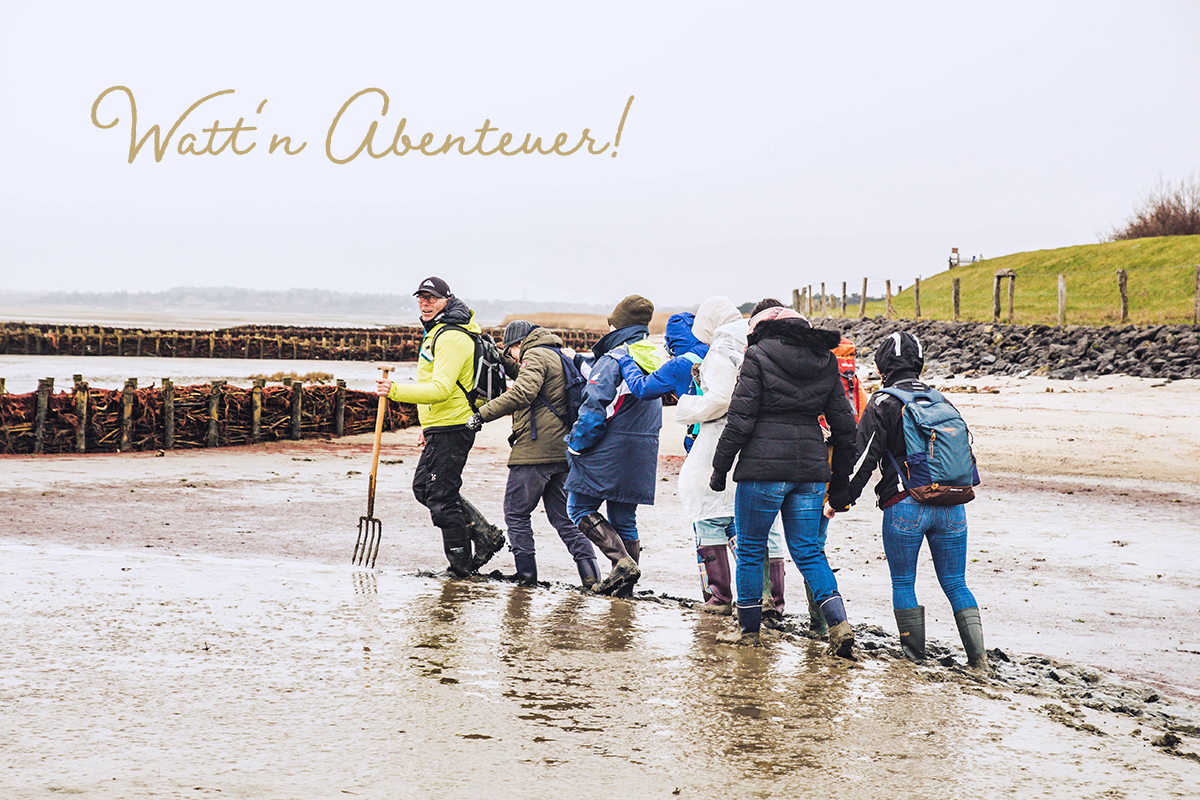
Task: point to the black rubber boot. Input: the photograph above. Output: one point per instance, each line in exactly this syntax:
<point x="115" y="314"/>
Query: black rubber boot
<point x="601" y="533"/>
<point x="841" y="635"/>
<point x="970" y="630"/>
<point x="911" y="624"/>
<point x="589" y="573"/>
<point x="456" y="542"/>
<point x="720" y="580"/>
<point x="526" y="569"/>
<point x="749" y="627"/>
<point x="634" y="548"/>
<point x="816" y="620"/>
<point x="487" y="538"/>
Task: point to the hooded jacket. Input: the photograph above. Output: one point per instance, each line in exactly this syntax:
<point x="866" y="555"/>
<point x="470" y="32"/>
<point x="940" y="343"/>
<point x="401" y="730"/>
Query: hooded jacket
<point x="788" y="379"/>
<point x="439" y="401"/>
<point x="676" y="374"/>
<point x="540" y="374"/>
<point x="899" y="359"/>
<point x="720" y="325"/>
<point x="615" y="438"/>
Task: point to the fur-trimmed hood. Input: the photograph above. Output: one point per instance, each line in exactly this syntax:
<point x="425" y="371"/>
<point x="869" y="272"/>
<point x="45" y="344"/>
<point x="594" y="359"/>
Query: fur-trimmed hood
<point x="797" y="332"/>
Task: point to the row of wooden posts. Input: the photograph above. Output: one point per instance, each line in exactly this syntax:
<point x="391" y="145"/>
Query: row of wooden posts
<point x="322" y="344"/>
<point x="803" y="300"/>
<point x="46" y="388"/>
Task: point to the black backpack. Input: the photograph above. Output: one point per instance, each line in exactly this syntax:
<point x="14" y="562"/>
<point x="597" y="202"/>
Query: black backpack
<point x="574" y="394"/>
<point x="490" y="379"/>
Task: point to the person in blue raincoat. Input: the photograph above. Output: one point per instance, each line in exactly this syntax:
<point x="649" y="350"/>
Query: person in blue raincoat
<point x="612" y="449"/>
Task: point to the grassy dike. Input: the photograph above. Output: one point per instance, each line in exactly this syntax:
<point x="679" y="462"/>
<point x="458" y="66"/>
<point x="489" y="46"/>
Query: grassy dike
<point x="1161" y="283"/>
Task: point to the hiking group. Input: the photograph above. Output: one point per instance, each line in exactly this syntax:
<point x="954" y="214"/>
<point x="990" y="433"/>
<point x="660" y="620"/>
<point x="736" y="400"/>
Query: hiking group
<point x="771" y="399"/>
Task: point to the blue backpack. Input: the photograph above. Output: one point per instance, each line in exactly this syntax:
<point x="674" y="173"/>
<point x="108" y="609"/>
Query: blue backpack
<point x="939" y="467"/>
<point x="574" y="394"/>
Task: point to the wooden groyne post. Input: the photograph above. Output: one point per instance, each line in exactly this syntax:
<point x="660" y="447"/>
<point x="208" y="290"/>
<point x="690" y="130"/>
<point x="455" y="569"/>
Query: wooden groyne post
<point x="44" y="390"/>
<point x="168" y="398"/>
<point x="256" y="409"/>
<point x="917" y="299"/>
<point x="214" y="410"/>
<point x="126" y="441"/>
<point x="81" y="412"/>
<point x="339" y="407"/>
<point x="954" y="296"/>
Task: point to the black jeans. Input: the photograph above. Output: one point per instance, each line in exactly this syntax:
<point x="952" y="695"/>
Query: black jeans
<point x="529" y="484"/>
<point x="439" y="475"/>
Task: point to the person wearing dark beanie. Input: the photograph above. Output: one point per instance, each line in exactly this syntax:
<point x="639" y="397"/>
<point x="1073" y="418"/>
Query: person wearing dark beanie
<point x="613" y="447"/>
<point x="633" y="310"/>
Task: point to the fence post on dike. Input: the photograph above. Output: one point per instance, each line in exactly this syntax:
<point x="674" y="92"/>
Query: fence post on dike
<point x="843" y="299"/>
<point x="214" y="410"/>
<point x="1196" y="310"/>
<point x="168" y="399"/>
<point x="297" y="399"/>
<point x="889" y="309"/>
<point x="821" y="307"/>
<point x="796" y="300"/>
<point x="1062" y="301"/>
<point x="917" y="298"/>
<point x="954" y="294"/>
<point x="45" y="387"/>
<point x="1123" y="287"/>
<point x="81" y="405"/>
<point x="862" y="301"/>
<point x="809" y="298"/>
<point x="126" y="440"/>
<point x="256" y="409"/>
<point x="339" y="407"/>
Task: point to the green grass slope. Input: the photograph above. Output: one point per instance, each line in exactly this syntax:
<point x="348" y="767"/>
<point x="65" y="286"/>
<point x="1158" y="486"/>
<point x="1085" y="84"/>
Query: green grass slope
<point x="1161" y="284"/>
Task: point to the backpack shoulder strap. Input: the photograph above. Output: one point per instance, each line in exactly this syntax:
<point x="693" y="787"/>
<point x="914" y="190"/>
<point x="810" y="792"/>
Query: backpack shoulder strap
<point x="445" y="327"/>
<point x="899" y="394"/>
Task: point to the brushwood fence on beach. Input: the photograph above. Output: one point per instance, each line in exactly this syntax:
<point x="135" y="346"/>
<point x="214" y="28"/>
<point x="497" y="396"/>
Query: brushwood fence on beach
<point x="88" y="420"/>
<point x="247" y="341"/>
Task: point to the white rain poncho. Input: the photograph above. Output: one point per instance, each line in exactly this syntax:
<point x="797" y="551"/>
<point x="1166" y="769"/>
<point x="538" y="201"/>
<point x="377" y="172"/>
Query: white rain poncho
<point x="720" y="325"/>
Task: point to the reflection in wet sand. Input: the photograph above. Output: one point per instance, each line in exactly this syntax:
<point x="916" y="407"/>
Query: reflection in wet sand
<point x="126" y="675"/>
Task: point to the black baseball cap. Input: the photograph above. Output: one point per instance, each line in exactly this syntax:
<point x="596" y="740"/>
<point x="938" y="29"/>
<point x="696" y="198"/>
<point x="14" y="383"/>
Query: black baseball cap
<point x="434" y="286"/>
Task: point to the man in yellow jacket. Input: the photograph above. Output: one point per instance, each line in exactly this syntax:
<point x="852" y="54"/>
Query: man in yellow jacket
<point x="445" y="365"/>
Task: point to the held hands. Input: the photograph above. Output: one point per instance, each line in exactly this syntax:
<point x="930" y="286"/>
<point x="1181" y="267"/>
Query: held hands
<point x="475" y="423"/>
<point x="839" y="499"/>
<point x="383" y="387"/>
<point x="717" y="482"/>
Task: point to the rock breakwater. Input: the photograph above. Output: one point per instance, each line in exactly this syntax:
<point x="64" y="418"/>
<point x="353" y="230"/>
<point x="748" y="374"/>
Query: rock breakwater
<point x="970" y="349"/>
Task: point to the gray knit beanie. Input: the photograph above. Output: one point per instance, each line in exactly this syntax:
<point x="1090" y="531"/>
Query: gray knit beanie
<point x="515" y="332"/>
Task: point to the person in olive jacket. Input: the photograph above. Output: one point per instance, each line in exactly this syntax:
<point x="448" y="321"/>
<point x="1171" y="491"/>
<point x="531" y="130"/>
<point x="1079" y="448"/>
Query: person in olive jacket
<point x="537" y="465"/>
<point x="788" y="379"/>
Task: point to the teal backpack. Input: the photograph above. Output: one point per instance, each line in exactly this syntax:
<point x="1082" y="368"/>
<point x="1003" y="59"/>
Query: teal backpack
<point x="939" y="467"/>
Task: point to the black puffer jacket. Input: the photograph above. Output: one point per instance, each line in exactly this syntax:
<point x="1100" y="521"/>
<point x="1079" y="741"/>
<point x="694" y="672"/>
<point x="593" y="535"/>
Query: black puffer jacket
<point x="788" y="379"/>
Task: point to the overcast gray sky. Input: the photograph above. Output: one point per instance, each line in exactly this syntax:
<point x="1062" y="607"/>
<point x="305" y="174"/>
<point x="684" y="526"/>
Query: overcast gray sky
<point x="770" y="145"/>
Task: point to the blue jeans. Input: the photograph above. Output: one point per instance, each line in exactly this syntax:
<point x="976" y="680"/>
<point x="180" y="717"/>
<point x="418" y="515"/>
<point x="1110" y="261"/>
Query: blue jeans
<point x="756" y="504"/>
<point x="622" y="516"/>
<point x="905" y="525"/>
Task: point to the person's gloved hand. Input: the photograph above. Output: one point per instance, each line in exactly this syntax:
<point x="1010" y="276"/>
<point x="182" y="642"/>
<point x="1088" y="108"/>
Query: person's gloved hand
<point x="839" y="496"/>
<point x="475" y="423"/>
<point x="717" y="482"/>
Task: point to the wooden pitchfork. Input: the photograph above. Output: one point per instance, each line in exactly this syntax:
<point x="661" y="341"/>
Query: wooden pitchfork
<point x="370" y="530"/>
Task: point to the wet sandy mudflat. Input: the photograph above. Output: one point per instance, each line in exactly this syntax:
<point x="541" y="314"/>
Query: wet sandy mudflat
<point x="189" y="626"/>
<point x="157" y="675"/>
